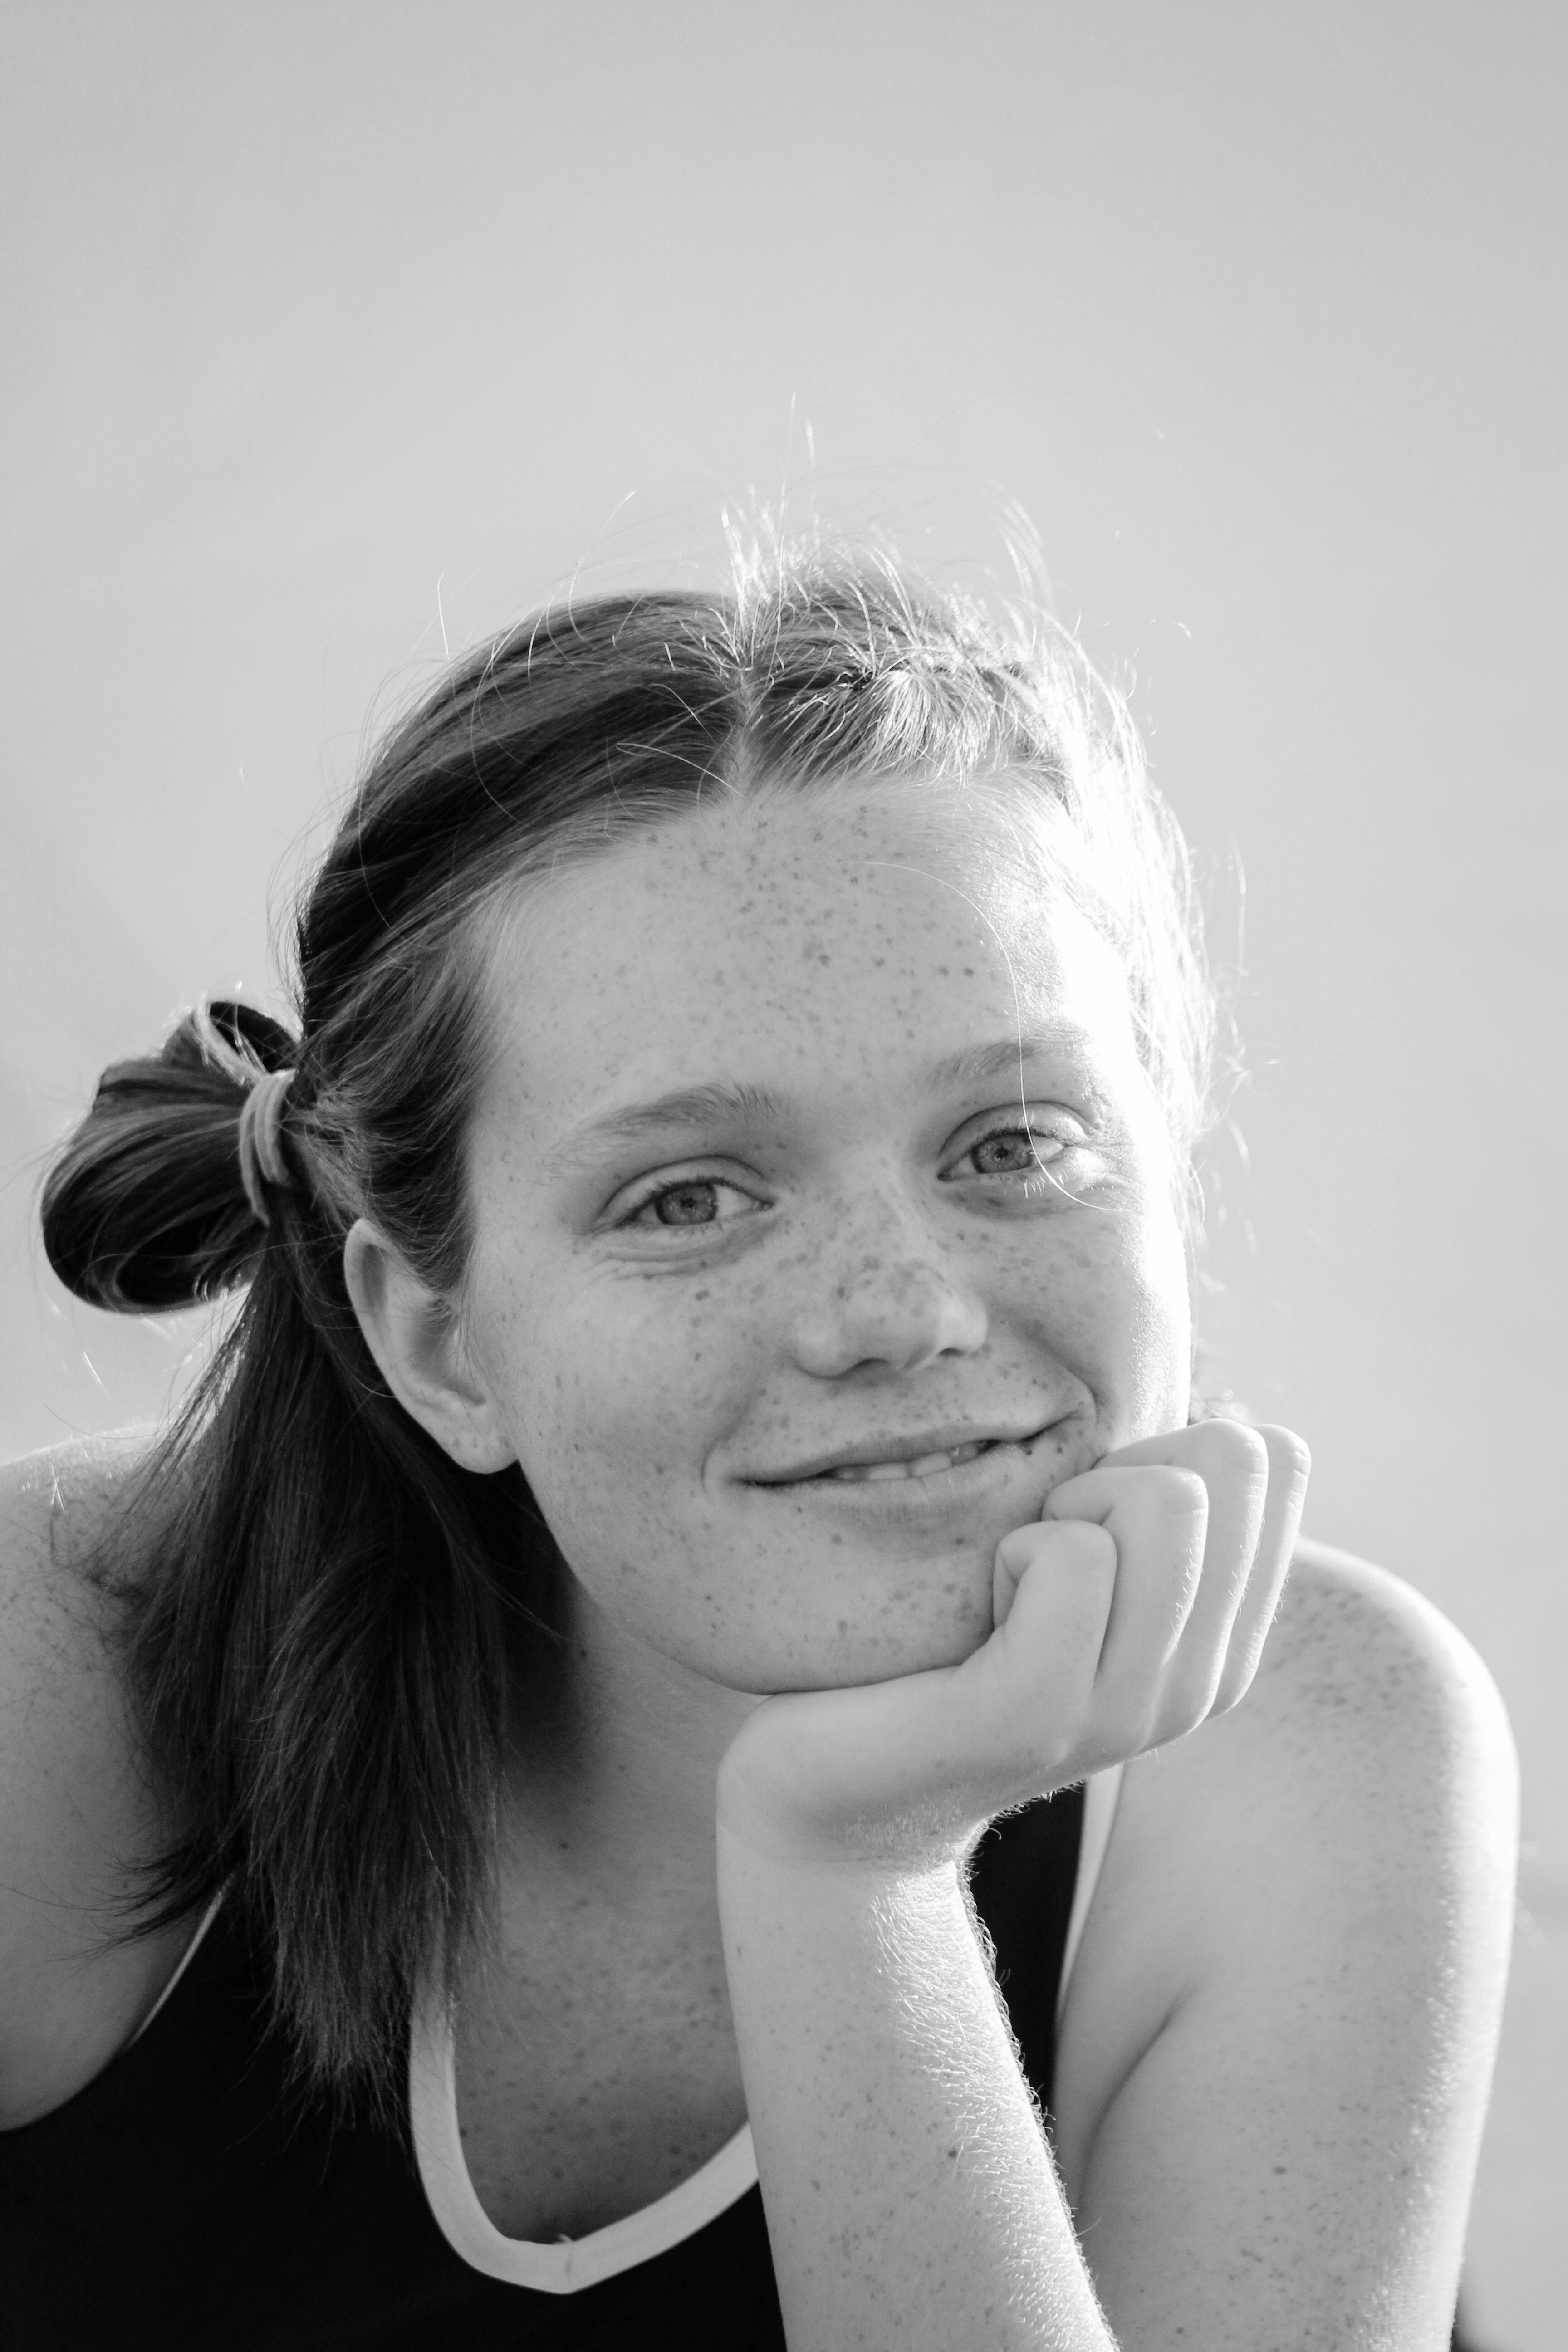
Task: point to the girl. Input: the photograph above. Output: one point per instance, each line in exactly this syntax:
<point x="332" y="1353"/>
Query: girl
<point x="658" y="1757"/>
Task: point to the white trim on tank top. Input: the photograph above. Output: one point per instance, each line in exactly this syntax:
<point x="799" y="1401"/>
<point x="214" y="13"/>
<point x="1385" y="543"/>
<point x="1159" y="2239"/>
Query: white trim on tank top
<point x="573" y="2263"/>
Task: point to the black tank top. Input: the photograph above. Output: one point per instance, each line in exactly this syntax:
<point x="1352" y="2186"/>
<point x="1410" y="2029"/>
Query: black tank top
<point x="184" y="2198"/>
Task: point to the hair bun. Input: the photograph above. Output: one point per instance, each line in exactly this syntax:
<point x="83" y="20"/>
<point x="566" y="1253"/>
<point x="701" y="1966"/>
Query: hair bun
<point x="147" y="1206"/>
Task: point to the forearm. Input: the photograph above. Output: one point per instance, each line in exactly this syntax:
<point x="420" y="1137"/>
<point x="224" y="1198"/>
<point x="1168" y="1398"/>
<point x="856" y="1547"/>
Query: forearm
<point x="911" y="2195"/>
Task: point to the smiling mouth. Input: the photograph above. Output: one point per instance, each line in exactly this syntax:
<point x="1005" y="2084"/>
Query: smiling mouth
<point x="900" y="1469"/>
<point x="925" y="1465"/>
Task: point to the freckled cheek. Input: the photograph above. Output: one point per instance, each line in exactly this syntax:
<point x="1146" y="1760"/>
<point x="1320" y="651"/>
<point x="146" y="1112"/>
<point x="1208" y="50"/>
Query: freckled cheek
<point x="647" y="1394"/>
<point x="1111" y="1302"/>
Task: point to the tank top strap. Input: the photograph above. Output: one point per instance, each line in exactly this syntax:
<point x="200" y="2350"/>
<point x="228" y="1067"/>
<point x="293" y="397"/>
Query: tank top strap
<point x="1033" y="1878"/>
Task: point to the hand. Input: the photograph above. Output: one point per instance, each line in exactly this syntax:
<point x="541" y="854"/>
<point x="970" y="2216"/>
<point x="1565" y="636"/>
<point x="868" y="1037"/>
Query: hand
<point x="1137" y="1607"/>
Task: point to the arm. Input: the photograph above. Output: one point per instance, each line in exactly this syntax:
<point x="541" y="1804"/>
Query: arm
<point x="1275" y="2063"/>
<point x="911" y="2197"/>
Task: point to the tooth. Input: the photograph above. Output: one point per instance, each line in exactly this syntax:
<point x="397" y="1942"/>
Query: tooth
<point x="925" y="1466"/>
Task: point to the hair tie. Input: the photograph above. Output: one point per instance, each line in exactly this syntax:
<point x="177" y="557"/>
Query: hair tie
<point x="261" y="1160"/>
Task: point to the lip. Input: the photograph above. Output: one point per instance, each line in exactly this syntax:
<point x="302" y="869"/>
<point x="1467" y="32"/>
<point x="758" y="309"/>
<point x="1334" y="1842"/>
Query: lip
<point x="920" y="1445"/>
<point x="1003" y="1486"/>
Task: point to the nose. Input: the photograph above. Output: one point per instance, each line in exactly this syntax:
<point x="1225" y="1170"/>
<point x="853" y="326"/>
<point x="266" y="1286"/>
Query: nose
<point x="899" y="1307"/>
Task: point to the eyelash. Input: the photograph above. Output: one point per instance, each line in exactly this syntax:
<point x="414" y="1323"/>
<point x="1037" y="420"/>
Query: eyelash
<point x="637" y="1214"/>
<point x="1031" y="1182"/>
<point x="1036" y="1177"/>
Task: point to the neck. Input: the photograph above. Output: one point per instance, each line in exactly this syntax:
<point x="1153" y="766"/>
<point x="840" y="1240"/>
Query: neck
<point x="615" y="1774"/>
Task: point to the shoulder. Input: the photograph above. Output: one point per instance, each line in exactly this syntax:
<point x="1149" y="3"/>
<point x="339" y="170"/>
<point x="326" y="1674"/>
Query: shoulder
<point x="57" y="1508"/>
<point x="1369" y="1704"/>
<point x="74" y="1810"/>
<point x="1374" y="1746"/>
<point x="1343" y="1842"/>
<point x="1372" y="1722"/>
<point x="1360" y="1665"/>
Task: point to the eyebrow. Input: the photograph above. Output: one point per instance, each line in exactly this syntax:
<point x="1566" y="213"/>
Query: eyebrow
<point x="718" y="1105"/>
<point x="972" y="1063"/>
<point x="692" y="1107"/>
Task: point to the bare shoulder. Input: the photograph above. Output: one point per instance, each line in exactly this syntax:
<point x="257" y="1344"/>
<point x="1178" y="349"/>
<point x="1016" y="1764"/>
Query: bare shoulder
<point x="1373" y="1738"/>
<point x="74" y="1808"/>
<point x="1372" y="1717"/>
<point x="56" y="1509"/>
<point x="1341" y="1843"/>
<point x="1360" y="1665"/>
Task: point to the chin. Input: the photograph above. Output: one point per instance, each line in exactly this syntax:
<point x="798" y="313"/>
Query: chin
<point x="854" y="1653"/>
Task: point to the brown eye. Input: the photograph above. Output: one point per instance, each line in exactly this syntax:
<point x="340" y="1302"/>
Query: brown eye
<point x="686" y="1204"/>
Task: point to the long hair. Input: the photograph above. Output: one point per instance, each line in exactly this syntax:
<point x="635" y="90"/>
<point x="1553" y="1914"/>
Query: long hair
<point x="326" y="1621"/>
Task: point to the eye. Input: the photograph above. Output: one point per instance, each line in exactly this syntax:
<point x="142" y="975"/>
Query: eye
<point x="691" y="1203"/>
<point x="1013" y="1152"/>
<point x="1017" y="1149"/>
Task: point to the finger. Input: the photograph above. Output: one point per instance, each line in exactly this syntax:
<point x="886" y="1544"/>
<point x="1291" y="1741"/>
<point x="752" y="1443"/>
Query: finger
<point x="1017" y="1708"/>
<point x="1065" y="1575"/>
<point x="1289" y="1463"/>
<point x="1232" y="1459"/>
<point x="1157" y="1516"/>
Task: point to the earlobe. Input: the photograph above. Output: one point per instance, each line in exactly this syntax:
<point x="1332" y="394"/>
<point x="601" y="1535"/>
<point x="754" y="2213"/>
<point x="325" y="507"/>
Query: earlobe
<point x="416" y="1340"/>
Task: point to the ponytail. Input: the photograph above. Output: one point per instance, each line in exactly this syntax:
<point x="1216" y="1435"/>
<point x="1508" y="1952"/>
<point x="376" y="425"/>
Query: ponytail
<point x="147" y="1208"/>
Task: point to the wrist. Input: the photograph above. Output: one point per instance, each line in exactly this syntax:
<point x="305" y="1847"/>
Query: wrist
<point x="762" y="1828"/>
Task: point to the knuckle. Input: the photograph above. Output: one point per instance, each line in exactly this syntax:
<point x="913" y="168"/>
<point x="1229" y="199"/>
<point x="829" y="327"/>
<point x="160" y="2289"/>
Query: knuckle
<point x="1087" y="1547"/>
<point x="1288" y="1456"/>
<point x="1233" y="1687"/>
<point x="1183" y="1715"/>
<point x="1182" y="1492"/>
<point x="1128" y="1719"/>
<point x="1229" y="1444"/>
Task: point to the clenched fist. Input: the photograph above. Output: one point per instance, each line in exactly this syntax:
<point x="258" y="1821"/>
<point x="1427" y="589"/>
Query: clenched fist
<point x="1135" y="1608"/>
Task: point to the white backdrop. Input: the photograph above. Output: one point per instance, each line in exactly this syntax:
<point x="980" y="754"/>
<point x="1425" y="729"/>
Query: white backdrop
<point x="328" y="327"/>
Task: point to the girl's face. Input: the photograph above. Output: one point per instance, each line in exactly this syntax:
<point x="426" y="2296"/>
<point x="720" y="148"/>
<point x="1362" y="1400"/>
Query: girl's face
<point x="825" y="1222"/>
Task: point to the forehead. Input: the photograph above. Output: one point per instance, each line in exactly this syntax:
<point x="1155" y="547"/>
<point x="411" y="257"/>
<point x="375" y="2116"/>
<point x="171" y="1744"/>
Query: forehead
<point x="792" y="941"/>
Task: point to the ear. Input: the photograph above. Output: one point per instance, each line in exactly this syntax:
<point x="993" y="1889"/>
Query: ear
<point x="416" y="1337"/>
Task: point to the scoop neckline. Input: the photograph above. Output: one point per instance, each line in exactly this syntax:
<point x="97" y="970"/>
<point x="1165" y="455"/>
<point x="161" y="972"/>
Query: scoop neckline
<point x="568" y="2265"/>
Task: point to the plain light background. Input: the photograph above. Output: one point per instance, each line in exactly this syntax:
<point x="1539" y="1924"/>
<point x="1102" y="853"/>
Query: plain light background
<point x="330" y="329"/>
